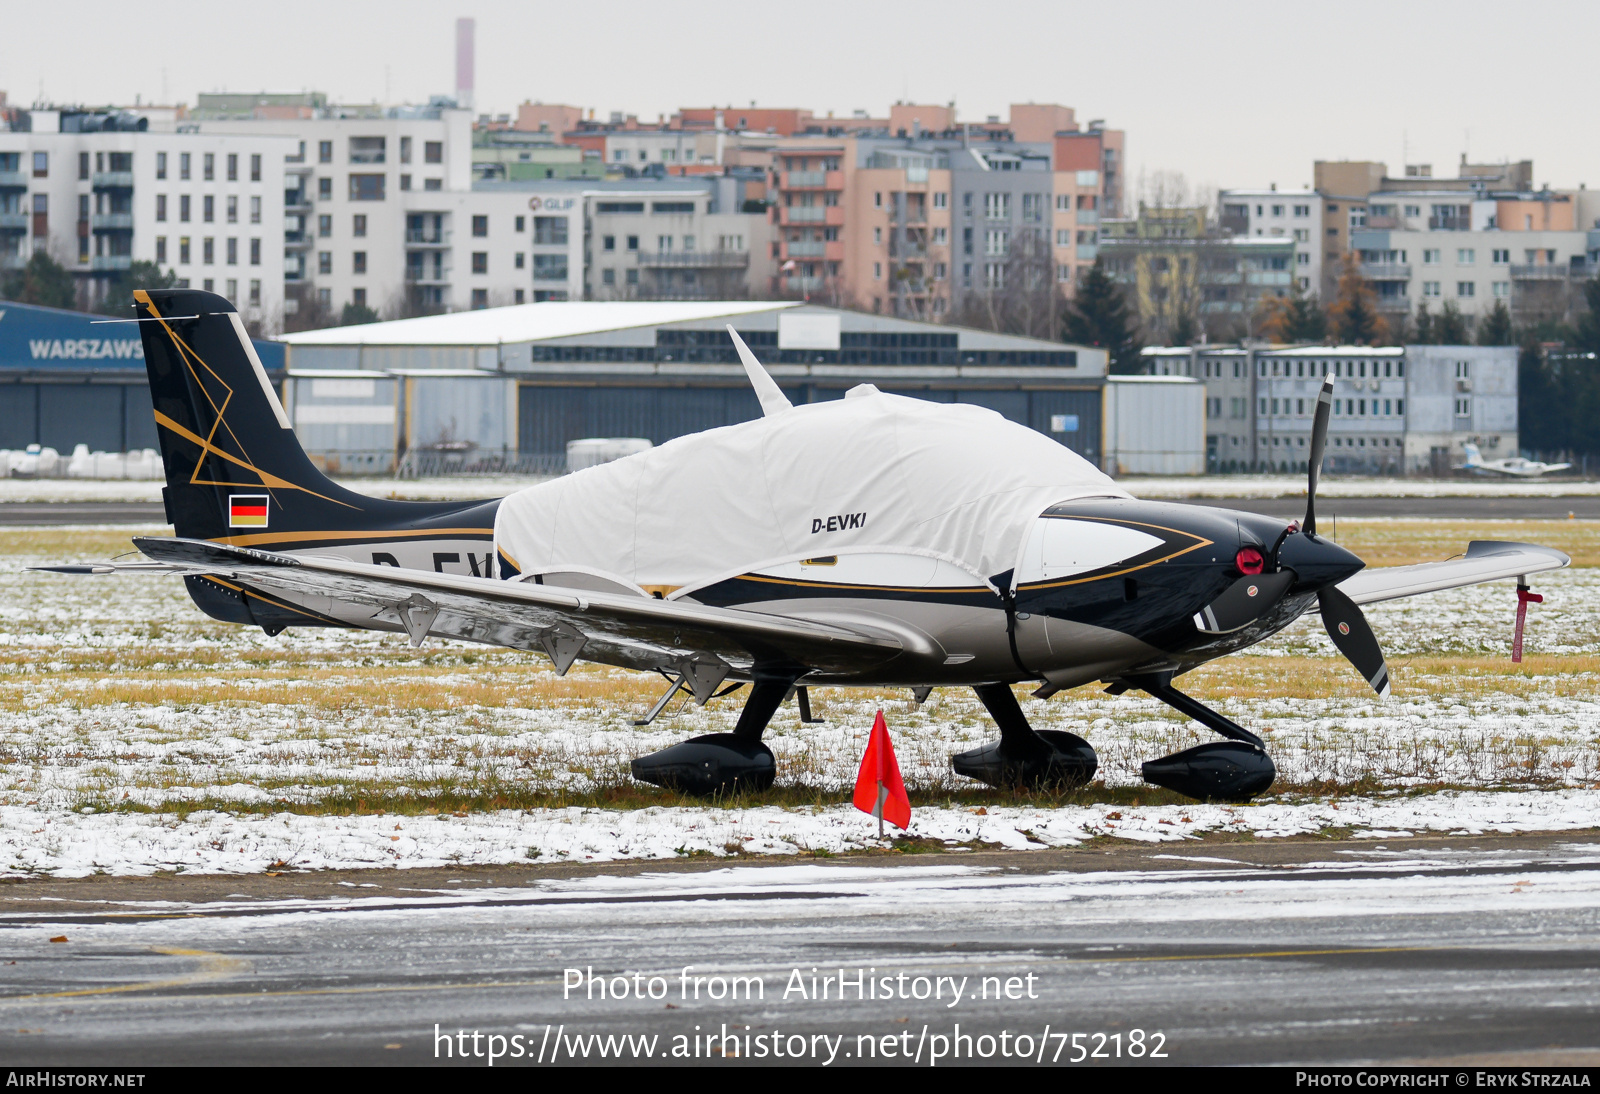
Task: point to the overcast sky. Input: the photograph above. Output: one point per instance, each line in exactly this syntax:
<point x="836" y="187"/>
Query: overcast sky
<point x="1229" y="92"/>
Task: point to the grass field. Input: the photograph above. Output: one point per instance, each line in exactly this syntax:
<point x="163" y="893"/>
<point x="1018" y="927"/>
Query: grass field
<point x="116" y="694"/>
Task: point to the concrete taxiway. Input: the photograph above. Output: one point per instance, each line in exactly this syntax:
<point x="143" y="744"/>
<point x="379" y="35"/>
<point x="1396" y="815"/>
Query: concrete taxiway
<point x="1284" y="951"/>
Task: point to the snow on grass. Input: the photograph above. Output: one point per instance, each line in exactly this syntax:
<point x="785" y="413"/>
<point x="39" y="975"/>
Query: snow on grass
<point x="207" y="746"/>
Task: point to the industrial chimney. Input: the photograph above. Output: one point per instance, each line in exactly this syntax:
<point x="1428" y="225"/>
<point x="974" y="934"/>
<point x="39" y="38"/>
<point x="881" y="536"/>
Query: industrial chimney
<point x="464" y="30"/>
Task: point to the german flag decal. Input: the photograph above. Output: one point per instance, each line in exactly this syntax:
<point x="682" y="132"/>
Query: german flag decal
<point x="247" y="510"/>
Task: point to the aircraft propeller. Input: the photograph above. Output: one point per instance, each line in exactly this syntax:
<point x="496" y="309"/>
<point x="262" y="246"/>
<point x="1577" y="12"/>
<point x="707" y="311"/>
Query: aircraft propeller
<point x="1303" y="559"/>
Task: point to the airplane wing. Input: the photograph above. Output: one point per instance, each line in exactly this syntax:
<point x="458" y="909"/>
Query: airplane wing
<point x="702" y="642"/>
<point x="1485" y="560"/>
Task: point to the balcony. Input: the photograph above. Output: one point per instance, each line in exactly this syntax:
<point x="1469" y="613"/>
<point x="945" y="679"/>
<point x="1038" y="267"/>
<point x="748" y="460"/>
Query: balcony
<point x="111" y="262"/>
<point x="813" y="180"/>
<point x="427" y="237"/>
<point x="1385" y="271"/>
<point x="296" y="201"/>
<point x="1088" y="216"/>
<point x="1087" y="252"/>
<point x="13" y="180"/>
<point x="695" y="260"/>
<point x="1548" y="271"/>
<point x="12" y="260"/>
<point x="812" y="249"/>
<point x="1449" y="224"/>
<point x="812" y="214"/>
<point x="802" y="284"/>
<point x="418" y="275"/>
<point x="111" y="222"/>
<point x="296" y="241"/>
<point x="13" y="222"/>
<point x="112" y="180"/>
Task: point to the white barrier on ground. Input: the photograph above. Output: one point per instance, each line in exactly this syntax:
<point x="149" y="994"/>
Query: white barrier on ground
<point x="43" y="462"/>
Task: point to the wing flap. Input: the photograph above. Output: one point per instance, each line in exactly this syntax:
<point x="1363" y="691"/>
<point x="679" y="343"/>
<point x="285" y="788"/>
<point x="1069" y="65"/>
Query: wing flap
<point x="1485" y="560"/>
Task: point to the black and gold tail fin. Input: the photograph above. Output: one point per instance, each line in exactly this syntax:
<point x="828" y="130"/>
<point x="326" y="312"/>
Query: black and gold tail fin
<point x="232" y="461"/>
<point x="236" y="473"/>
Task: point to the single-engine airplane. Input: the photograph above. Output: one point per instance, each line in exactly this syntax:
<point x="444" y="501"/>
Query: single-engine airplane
<point x="1512" y="465"/>
<point x="874" y="540"/>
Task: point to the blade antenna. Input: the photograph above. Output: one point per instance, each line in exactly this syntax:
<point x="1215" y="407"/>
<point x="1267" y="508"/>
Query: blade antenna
<point x="1319" y="441"/>
<point x="773" y="400"/>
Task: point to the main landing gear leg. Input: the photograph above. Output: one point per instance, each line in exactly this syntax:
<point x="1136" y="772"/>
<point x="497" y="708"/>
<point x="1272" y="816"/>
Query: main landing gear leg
<point x="722" y="763"/>
<point x="1235" y="770"/>
<point x="1023" y="756"/>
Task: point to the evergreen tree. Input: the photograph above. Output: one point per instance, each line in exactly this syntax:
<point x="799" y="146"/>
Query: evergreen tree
<point x="141" y="275"/>
<point x="1098" y="315"/>
<point x="1424" y="332"/>
<point x="354" y="315"/>
<point x="1495" y="328"/>
<point x="1450" y="328"/>
<point x="1354" y="314"/>
<point x="1586" y="331"/>
<point x="43" y="281"/>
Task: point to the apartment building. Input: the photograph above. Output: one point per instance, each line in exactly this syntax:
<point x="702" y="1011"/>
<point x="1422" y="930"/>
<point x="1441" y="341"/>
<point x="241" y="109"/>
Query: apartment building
<point x="1396" y="410"/>
<point x="1187" y="279"/>
<point x="100" y="191"/>
<point x="1279" y="214"/>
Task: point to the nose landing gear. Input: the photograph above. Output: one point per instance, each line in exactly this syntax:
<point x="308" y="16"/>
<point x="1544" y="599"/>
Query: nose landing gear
<point x="1235" y="770"/>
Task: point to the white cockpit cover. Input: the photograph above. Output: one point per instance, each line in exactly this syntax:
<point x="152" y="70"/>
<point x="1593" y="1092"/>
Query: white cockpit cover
<point x="867" y="472"/>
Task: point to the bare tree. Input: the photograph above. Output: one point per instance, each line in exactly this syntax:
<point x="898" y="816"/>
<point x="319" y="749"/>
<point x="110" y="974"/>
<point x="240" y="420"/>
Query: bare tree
<point x="1022" y="298"/>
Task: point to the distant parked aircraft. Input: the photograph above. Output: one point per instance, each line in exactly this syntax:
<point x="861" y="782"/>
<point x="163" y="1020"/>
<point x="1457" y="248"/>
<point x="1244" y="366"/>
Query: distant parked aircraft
<point x="1514" y="465"/>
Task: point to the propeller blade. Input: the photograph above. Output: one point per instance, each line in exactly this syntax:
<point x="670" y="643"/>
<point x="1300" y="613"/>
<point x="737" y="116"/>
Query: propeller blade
<point x="1243" y="602"/>
<point x="1319" y="441"/>
<point x="1349" y="630"/>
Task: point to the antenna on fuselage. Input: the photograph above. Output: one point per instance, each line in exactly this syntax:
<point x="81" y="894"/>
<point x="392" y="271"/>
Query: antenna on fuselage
<point x="773" y="400"/>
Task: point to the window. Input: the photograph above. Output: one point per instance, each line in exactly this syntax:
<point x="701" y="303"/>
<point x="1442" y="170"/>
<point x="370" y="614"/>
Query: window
<point x="939" y="271"/>
<point x="1430" y="288"/>
<point x="1302" y="235"/>
<point x="405" y="182"/>
<point x="233" y="176"/>
<point x="1466" y="288"/>
<point x="608" y="243"/>
<point x="1302" y="210"/>
<point x="480" y="226"/>
<point x="553" y="267"/>
<point x="521" y="224"/>
<point x="366" y="187"/>
<point x="161" y="249"/>
<point x="255" y="292"/>
<point x="161" y="207"/>
<point x="324" y="189"/>
<point x="1466" y="256"/>
<point x="325" y="225"/>
<point x="877" y="199"/>
<point x="608" y="277"/>
<point x="480" y="262"/>
<point x="358" y="297"/>
<point x="997" y="206"/>
<point x="255" y="251"/>
<point x="209" y="170"/>
<point x="633" y="243"/>
<point x="231" y="288"/>
<point x="208" y="250"/>
<point x="877" y="271"/>
<point x="1502" y="289"/>
<point x="366" y="149"/>
<point x="358" y="225"/>
<point x="183" y="165"/>
<point x="941" y="200"/>
<point x="518" y="262"/>
<point x="209" y="285"/>
<point x="324" y="262"/>
<point x="1063" y="273"/>
<point x="1501" y="256"/>
<point x="1430" y="256"/>
<point x="233" y="209"/>
<point x="325" y="297"/>
<point x="324" y="151"/>
<point x="877" y="237"/>
<point x="233" y="250"/>
<point x="183" y="250"/>
<point x="433" y="152"/>
<point x="255" y="209"/>
<point x="208" y="208"/>
<point x="552" y="231"/>
<point x="161" y="165"/>
<point x="995" y="242"/>
<point x="520" y="296"/>
<point x="358" y="262"/>
<point x="941" y="236"/>
<point x="480" y="298"/>
<point x="663" y="244"/>
<point x="1463" y="370"/>
<point x="255" y="176"/>
<point x="1464" y="408"/>
<point x="183" y="208"/>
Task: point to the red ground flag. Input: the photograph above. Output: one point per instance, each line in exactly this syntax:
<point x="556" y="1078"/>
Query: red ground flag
<point x="879" y="790"/>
